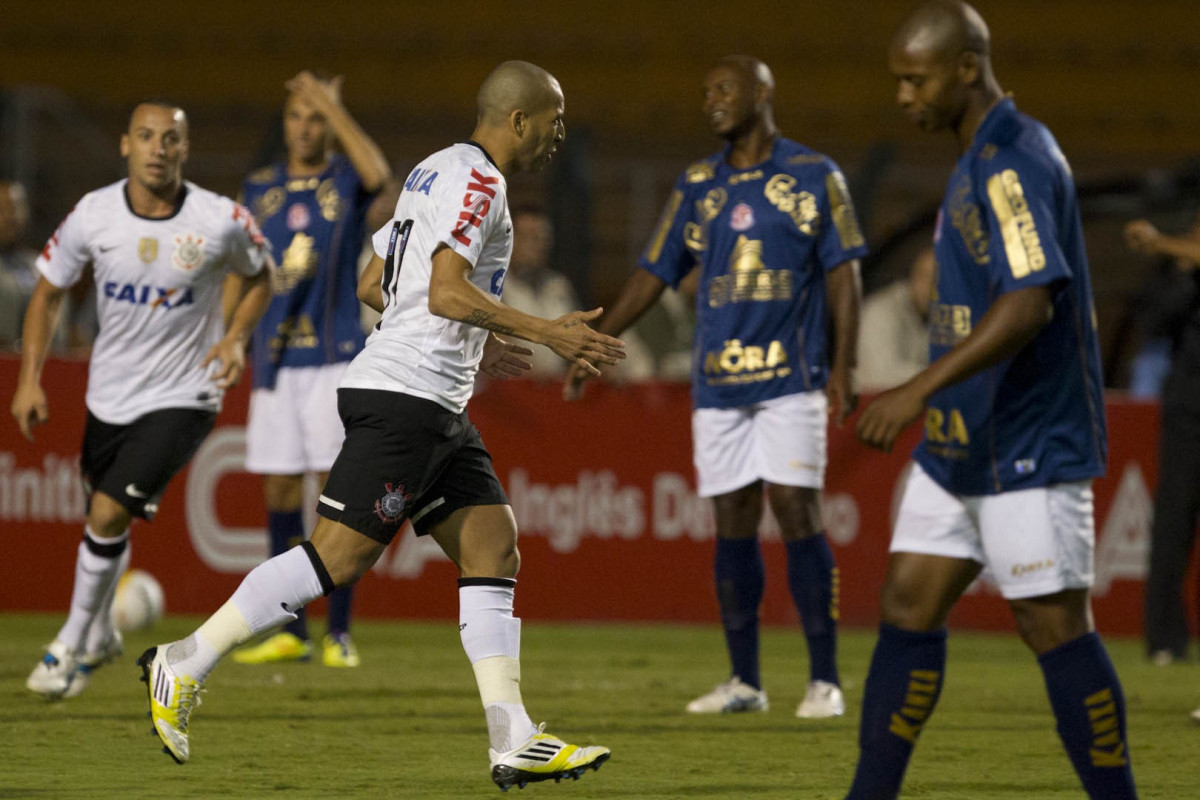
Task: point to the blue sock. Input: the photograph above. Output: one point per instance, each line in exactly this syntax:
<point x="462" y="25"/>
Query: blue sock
<point x="1089" y="705"/>
<point x="738" y="569"/>
<point x="339" y="610"/>
<point x="813" y="579"/>
<point x="901" y="692"/>
<point x="286" y="530"/>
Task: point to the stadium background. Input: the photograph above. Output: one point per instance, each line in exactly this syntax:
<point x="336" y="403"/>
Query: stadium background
<point x="1112" y="79"/>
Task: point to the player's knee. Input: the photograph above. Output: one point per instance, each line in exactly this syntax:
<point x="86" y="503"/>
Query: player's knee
<point x="1043" y="626"/>
<point x="904" y="606"/>
<point x="498" y="559"/>
<point x="107" y="518"/>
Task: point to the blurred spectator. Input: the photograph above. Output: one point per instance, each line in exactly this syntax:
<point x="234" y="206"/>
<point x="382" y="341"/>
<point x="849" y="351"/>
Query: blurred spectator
<point x="17" y="275"/>
<point x="660" y="343"/>
<point x="893" y="338"/>
<point x="534" y="287"/>
<point x="1177" y="500"/>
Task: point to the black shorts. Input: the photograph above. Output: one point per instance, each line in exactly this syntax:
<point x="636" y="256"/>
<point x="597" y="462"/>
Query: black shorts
<point x="405" y="457"/>
<point x="133" y="463"/>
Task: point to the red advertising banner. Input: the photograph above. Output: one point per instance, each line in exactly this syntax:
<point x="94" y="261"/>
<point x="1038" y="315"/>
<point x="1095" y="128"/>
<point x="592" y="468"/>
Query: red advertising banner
<point x="604" y="495"/>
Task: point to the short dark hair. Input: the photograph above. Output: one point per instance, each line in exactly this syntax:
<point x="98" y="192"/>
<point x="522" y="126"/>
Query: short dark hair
<point x="161" y="102"/>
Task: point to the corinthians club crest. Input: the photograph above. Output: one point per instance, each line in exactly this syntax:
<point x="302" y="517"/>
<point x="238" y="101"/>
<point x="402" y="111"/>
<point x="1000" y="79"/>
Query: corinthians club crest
<point x="390" y="508"/>
<point x="189" y="252"/>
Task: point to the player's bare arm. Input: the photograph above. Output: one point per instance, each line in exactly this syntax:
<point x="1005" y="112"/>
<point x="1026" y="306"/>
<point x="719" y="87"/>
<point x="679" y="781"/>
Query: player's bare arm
<point x="231" y="294"/>
<point x="1143" y="237"/>
<point x="230" y="352"/>
<point x="453" y="296"/>
<point x="1011" y="323"/>
<point x="844" y="290"/>
<point x="326" y="96"/>
<point x="370" y="284"/>
<point x="640" y="292"/>
<point x="29" y="405"/>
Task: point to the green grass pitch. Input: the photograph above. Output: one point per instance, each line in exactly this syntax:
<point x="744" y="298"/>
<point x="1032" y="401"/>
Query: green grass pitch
<point x="407" y="723"/>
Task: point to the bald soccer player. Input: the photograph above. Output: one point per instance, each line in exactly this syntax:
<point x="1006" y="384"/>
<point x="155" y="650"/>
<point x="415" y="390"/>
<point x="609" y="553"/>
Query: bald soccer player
<point x="770" y="226"/>
<point x="410" y="451"/>
<point x="1013" y="408"/>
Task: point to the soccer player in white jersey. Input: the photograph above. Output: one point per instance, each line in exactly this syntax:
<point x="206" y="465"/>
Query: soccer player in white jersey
<point x="161" y="249"/>
<point x="410" y="450"/>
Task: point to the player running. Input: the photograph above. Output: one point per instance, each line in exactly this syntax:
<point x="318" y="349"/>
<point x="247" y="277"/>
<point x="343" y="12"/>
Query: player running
<point x="410" y="450"/>
<point x="161" y="249"/>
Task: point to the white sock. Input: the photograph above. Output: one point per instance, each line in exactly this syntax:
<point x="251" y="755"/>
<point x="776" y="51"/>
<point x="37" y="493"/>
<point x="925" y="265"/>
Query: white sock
<point x="198" y="654"/>
<point x="266" y="598"/>
<point x="491" y="636"/>
<point x="101" y="629"/>
<point x="94" y="575"/>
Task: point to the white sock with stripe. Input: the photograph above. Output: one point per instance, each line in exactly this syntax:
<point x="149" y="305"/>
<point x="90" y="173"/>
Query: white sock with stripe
<point x="98" y="566"/>
<point x="267" y="598"/>
<point x="491" y="637"/>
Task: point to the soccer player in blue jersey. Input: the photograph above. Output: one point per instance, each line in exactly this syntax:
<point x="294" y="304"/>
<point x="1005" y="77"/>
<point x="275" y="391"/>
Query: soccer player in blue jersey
<point x="769" y="224"/>
<point x="1014" y="421"/>
<point x="313" y="208"/>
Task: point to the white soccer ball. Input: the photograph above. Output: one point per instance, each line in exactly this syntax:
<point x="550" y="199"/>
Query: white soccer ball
<point x="138" y="603"/>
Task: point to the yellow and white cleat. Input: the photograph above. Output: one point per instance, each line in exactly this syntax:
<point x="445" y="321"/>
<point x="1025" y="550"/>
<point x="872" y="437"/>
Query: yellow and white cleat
<point x="338" y="650"/>
<point x="172" y="700"/>
<point x="542" y="758"/>
<point x="283" y="646"/>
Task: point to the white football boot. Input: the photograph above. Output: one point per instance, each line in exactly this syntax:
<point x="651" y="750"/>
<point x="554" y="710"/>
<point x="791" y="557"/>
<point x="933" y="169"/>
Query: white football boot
<point x="53" y="675"/>
<point x="730" y="697"/>
<point x="821" y="700"/>
<point x="90" y="662"/>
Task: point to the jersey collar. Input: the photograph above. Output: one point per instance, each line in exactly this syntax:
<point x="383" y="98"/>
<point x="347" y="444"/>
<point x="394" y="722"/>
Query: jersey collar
<point x="997" y="126"/>
<point x="179" y="199"/>
<point x="728" y="167"/>
<point x="486" y="154"/>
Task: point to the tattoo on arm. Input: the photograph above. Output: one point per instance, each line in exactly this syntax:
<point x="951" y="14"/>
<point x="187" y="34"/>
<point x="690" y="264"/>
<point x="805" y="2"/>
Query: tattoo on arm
<point x="483" y="319"/>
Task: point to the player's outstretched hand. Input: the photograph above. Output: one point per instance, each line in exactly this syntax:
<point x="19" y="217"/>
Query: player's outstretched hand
<point x="503" y="359"/>
<point x="572" y="339"/>
<point x="886" y="417"/>
<point x="29" y="408"/>
<point x="230" y="354"/>
<point x="573" y="386"/>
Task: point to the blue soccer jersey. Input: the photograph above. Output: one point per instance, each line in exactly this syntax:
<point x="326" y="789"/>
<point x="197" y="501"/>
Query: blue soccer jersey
<point x="315" y="227"/>
<point x="764" y="238"/>
<point x="1010" y="221"/>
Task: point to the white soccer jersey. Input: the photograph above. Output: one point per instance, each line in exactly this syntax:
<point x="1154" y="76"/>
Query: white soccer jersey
<point x="457" y="198"/>
<point x="158" y="294"/>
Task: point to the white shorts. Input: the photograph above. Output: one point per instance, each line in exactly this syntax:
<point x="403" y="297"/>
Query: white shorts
<point x="780" y="441"/>
<point x="1034" y="542"/>
<point x="295" y="428"/>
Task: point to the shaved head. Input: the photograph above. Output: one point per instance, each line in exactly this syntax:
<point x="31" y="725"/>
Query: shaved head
<point x="516" y="86"/>
<point x="940" y="56"/>
<point x="754" y="70"/>
<point x="946" y="28"/>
